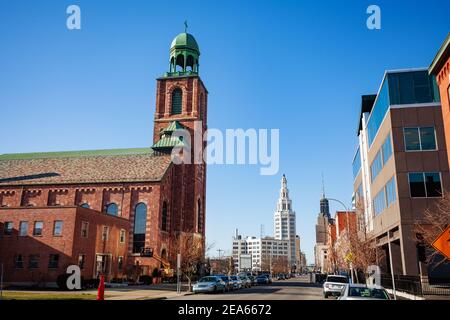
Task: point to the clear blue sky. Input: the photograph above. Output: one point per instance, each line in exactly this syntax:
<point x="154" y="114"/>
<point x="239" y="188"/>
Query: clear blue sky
<point x="294" y="65"/>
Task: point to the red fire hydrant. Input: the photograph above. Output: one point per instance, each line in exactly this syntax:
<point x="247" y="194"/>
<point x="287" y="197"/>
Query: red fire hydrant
<point x="101" y="288"/>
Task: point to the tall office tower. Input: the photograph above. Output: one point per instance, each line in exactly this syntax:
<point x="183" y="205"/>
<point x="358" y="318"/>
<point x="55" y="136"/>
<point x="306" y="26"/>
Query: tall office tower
<point x="284" y="221"/>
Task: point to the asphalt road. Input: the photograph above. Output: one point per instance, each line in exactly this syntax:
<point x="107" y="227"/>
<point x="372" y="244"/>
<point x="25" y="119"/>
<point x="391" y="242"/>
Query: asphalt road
<point x="291" y="289"/>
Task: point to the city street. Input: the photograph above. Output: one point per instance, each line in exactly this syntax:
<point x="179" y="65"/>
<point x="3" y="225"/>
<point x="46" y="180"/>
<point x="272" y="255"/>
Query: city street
<point x="291" y="289"/>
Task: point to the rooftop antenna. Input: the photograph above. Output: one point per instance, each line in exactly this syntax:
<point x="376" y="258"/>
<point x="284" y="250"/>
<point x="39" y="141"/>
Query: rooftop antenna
<point x="262" y="231"/>
<point x="323" y="187"/>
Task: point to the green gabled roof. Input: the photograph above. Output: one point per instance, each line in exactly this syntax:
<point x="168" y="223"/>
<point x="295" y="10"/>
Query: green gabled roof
<point x="173" y="126"/>
<point x="168" y="142"/>
<point x="75" y="154"/>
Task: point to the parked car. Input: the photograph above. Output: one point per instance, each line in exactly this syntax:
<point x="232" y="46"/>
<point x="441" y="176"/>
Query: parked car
<point x="363" y="292"/>
<point x="228" y="282"/>
<point x="246" y="282"/>
<point x="211" y="284"/>
<point x="333" y="285"/>
<point x="280" y="276"/>
<point x="262" y="279"/>
<point x="252" y="279"/>
<point x="237" y="282"/>
<point x="269" y="277"/>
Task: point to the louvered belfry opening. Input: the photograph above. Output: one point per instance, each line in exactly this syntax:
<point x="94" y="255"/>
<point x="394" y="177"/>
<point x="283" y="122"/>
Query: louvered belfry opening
<point x="177" y="96"/>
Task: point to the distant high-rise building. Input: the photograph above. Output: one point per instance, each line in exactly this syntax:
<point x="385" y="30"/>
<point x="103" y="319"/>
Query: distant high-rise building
<point x="323" y="221"/>
<point x="265" y="251"/>
<point x="284" y="221"/>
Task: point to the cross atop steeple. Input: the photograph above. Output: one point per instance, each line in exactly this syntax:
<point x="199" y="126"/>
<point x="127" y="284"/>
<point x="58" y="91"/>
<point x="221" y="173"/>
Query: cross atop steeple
<point x="185" y="26"/>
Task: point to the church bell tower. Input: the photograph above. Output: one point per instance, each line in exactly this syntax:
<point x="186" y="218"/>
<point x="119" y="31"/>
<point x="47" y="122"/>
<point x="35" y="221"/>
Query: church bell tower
<point x="181" y="103"/>
<point x="181" y="95"/>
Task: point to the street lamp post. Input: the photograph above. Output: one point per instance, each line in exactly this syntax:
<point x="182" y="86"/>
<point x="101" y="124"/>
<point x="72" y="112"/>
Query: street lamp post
<point x="220" y="260"/>
<point x="348" y="228"/>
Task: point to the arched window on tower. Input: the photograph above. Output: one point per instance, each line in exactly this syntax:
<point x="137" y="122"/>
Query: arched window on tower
<point x="199" y="216"/>
<point x="177" y="99"/>
<point x="112" y="209"/>
<point x="190" y="63"/>
<point x="164" y="217"/>
<point x="140" y="224"/>
<point x="179" y="63"/>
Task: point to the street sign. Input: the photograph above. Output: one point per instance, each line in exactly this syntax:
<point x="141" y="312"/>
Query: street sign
<point x="442" y="243"/>
<point x="245" y="262"/>
<point x="349" y="257"/>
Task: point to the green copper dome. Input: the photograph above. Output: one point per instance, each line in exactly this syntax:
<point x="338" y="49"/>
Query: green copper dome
<point x="184" y="54"/>
<point x="184" y="41"/>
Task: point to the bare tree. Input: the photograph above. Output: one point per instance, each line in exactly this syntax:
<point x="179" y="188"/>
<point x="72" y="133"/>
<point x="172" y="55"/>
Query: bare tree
<point x="363" y="249"/>
<point x="280" y="264"/>
<point x="355" y="246"/>
<point x="191" y="248"/>
<point x="434" y="221"/>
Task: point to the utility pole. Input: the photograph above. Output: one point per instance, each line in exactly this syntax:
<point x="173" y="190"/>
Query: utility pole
<point x="1" y="282"/>
<point x="392" y="266"/>
<point x="179" y="273"/>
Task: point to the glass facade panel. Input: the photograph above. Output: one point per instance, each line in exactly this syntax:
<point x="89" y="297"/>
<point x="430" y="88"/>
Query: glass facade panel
<point x="433" y="184"/>
<point x="427" y="138"/>
<point x="387" y="149"/>
<point x="411" y="87"/>
<point x="356" y="164"/>
<point x="378" y="112"/>
<point x="391" y="192"/>
<point x="379" y="202"/>
<point x="417" y="185"/>
<point x="401" y="88"/>
<point x="376" y="166"/>
<point x="418" y="139"/>
<point x="412" y="141"/>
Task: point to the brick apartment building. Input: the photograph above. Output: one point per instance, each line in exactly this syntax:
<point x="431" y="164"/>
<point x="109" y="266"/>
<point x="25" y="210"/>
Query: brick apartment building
<point x="39" y="243"/>
<point x="140" y="191"/>
<point x="401" y="165"/>
<point x="440" y="68"/>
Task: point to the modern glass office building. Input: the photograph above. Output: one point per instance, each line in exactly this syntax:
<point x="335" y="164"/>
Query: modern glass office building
<point x="400" y="88"/>
<point x="400" y="167"/>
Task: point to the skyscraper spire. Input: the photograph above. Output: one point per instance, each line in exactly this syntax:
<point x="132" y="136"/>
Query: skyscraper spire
<point x="284" y="192"/>
<point x="324" y="204"/>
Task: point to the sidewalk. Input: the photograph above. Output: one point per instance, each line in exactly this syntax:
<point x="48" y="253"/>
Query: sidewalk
<point x="143" y="292"/>
<point x="157" y="291"/>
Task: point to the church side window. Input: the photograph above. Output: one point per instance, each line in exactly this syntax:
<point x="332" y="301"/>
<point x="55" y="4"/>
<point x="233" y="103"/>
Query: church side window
<point x="177" y="99"/>
<point x="140" y="223"/>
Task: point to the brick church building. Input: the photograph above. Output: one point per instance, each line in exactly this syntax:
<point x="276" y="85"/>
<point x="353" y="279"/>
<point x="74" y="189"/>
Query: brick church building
<point x="100" y="209"/>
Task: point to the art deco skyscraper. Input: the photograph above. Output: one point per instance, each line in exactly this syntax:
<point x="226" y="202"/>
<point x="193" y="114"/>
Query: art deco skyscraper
<point x="284" y="221"/>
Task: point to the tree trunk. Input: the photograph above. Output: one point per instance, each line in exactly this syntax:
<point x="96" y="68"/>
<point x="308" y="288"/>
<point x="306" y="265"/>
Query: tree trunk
<point x="189" y="284"/>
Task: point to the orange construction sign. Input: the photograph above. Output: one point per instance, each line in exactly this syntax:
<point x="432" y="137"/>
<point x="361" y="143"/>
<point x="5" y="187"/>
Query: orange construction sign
<point x="442" y="243"/>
